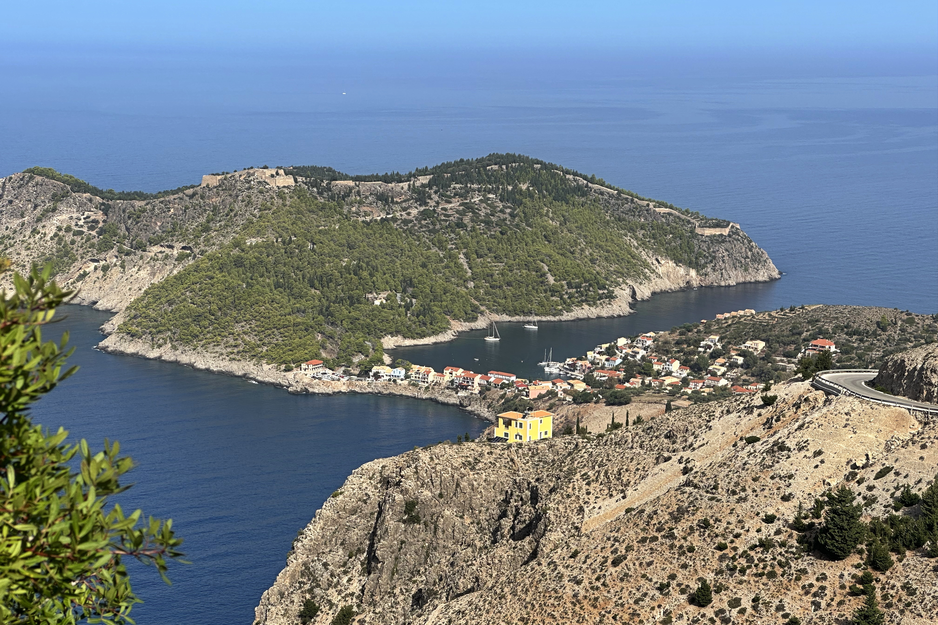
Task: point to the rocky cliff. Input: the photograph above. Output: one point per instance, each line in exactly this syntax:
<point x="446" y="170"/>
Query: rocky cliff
<point x="912" y="374"/>
<point x="618" y="527"/>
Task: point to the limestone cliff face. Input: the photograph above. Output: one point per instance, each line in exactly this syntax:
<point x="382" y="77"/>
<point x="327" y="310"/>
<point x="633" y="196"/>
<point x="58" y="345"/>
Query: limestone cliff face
<point x="615" y="528"/>
<point x="912" y="374"/>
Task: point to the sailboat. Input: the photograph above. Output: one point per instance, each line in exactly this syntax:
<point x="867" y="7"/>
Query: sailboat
<point x="531" y="325"/>
<point x="547" y="359"/>
<point x="493" y="333"/>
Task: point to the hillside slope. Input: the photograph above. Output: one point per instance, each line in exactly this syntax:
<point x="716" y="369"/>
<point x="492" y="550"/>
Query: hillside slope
<point x="280" y="266"/>
<point x="621" y="527"/>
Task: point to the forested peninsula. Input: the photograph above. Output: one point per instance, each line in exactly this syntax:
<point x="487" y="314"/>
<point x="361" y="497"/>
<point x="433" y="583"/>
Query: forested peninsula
<point x="273" y="267"/>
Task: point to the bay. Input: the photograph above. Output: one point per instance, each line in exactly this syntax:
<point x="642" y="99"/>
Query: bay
<point x="239" y="467"/>
<point x="831" y="167"/>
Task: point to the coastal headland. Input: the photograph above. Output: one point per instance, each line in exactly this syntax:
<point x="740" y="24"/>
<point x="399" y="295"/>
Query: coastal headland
<point x="279" y="266"/>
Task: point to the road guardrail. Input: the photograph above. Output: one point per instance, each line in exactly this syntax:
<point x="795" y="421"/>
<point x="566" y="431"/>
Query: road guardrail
<point x="823" y="384"/>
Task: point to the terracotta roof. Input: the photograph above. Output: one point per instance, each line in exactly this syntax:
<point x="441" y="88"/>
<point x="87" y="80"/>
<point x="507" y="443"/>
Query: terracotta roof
<point x="822" y="343"/>
<point x="314" y="362"/>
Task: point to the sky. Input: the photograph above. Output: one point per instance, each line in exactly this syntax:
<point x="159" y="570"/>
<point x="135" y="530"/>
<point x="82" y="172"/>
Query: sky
<point x="480" y="24"/>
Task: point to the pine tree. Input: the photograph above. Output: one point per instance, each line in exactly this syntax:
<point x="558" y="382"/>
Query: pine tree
<point x="842" y="529"/>
<point x="930" y="507"/>
<point x="703" y="595"/>
<point x="878" y="557"/>
<point x="869" y="613"/>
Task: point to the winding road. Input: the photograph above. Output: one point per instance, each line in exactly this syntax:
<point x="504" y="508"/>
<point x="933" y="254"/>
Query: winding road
<point x="852" y="382"/>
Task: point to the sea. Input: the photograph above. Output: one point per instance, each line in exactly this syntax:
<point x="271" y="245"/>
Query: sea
<point x="829" y="162"/>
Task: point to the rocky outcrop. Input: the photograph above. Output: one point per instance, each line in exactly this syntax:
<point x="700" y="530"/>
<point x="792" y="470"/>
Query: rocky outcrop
<point x="618" y="527"/>
<point x="912" y="374"/>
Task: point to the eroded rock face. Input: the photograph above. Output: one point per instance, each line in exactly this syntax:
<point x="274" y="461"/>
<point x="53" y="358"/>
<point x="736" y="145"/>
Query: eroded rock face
<point x="912" y="374"/>
<point x="617" y="528"/>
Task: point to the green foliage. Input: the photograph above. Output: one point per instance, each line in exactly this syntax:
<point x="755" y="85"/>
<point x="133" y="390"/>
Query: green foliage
<point x="299" y="281"/>
<point x="842" y="530"/>
<point x="703" y="594"/>
<point x="61" y="546"/>
<point x="869" y="613"/>
<point x="308" y="612"/>
<point x="411" y="516"/>
<point x="883" y="323"/>
<point x="883" y="472"/>
<point x="809" y="365"/>
<point x="877" y="557"/>
<point x="80" y="186"/>
<point x="907" y="497"/>
<point x="344" y="616"/>
<point x="768" y="400"/>
<point x="618" y="397"/>
<point x="752" y="439"/>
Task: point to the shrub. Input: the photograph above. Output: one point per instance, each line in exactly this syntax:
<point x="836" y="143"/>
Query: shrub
<point x="309" y="611"/>
<point x="703" y="594"/>
<point x="411" y="516"/>
<point x="768" y="400"/>
<point x="882" y="473"/>
<point x="908" y="498"/>
<point x="752" y="439"/>
<point x="769" y="518"/>
<point x="734" y="603"/>
<point x="344" y="616"/>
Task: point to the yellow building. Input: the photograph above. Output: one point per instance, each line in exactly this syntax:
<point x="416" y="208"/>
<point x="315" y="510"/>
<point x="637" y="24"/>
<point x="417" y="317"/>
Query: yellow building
<point x="515" y="427"/>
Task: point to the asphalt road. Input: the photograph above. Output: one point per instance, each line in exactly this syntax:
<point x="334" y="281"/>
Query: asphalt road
<point x="855" y="383"/>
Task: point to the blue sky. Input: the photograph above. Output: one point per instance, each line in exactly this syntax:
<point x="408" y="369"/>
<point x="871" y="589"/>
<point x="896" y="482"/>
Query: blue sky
<point x="480" y="24"/>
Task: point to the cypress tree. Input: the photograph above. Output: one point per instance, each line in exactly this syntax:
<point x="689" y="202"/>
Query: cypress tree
<point x="667" y="406"/>
<point x="842" y="529"/>
<point x="703" y="595"/>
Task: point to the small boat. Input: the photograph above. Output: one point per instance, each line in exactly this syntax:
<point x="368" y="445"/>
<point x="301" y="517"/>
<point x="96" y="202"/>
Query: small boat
<point x="531" y="325"/>
<point x="493" y="333"/>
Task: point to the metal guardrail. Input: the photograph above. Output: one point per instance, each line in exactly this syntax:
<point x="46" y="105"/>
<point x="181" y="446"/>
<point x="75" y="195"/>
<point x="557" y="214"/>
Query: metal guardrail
<point x="827" y="386"/>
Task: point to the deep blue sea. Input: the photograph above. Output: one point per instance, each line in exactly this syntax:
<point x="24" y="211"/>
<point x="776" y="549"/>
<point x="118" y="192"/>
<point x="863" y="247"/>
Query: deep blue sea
<point x="830" y="164"/>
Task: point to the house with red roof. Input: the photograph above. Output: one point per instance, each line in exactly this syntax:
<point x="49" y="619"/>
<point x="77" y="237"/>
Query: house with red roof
<point x="822" y="345"/>
<point x="312" y="365"/>
<point x="500" y="376"/>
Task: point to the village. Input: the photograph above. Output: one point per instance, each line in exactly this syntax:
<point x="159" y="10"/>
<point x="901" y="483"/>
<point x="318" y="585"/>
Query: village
<point x="610" y="374"/>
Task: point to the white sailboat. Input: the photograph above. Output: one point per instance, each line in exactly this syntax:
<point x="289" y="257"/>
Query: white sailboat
<point x="547" y="359"/>
<point x="493" y="333"/>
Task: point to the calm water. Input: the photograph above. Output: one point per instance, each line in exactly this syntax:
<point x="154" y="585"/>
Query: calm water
<point x="831" y="166"/>
<point x="239" y="467"/>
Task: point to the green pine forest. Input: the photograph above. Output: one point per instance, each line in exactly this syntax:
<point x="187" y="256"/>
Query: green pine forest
<point x="504" y="234"/>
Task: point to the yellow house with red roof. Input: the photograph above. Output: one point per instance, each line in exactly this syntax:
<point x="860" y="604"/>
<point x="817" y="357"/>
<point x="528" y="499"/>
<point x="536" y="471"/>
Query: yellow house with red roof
<point x="515" y="427"/>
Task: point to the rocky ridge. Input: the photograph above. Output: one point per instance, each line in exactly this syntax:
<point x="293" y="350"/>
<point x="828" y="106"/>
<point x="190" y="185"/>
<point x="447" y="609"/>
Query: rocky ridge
<point x="618" y="527"/>
<point x="912" y="374"/>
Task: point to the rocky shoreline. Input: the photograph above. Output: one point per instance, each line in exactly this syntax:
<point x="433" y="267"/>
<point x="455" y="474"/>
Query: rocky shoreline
<point x="293" y="381"/>
<point x="671" y="277"/>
